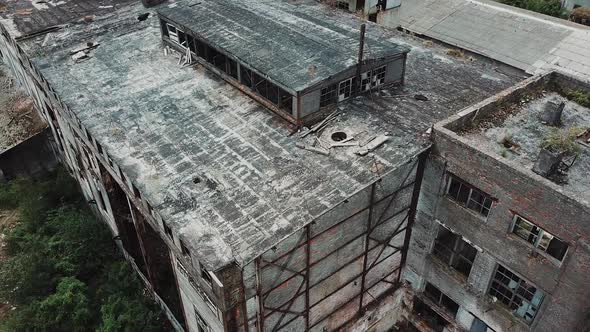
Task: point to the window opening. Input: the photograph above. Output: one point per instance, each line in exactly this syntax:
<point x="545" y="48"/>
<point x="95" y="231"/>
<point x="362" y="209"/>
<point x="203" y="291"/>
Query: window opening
<point x="206" y="276"/>
<point x="201" y="324"/>
<point x="441" y="299"/>
<point x="366" y="81"/>
<point x="539" y="238"/>
<point x="328" y="95"/>
<point x="518" y="295"/>
<point x="345" y="89"/>
<point x="454" y="251"/>
<point x="469" y="196"/>
<point x="184" y="249"/>
<point x="432" y="318"/>
<point x="379" y="76"/>
<point x="168" y="230"/>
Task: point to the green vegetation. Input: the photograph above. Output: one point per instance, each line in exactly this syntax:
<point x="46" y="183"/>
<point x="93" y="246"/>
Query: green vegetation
<point x="563" y="141"/>
<point x="580" y="97"/>
<point x="547" y="7"/>
<point x="62" y="271"/>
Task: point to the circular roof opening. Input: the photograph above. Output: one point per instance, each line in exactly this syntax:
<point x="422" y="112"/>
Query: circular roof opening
<point x="196" y="180"/>
<point x="338" y="136"/>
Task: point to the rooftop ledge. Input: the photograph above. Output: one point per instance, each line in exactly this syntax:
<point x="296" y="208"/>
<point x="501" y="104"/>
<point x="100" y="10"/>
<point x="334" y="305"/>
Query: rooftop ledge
<point x="541" y="127"/>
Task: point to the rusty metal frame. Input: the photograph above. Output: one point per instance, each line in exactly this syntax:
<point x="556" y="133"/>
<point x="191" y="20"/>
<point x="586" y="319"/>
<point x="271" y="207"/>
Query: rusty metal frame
<point x="282" y="261"/>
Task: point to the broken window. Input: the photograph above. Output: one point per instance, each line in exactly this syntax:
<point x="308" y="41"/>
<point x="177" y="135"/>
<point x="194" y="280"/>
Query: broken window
<point x="379" y="76"/>
<point x="454" y="251"/>
<point x="191" y="43"/>
<point x="431" y="317"/>
<point x="206" y="276"/>
<point x="285" y="100"/>
<point x="185" y="251"/>
<point x="167" y="230"/>
<point x="345" y="89"/>
<point x="469" y="196"/>
<point x="232" y="68"/>
<point x="172" y="32"/>
<point x="539" y="238"/>
<point x="366" y="81"/>
<point x="520" y="296"/>
<point x="201" y="324"/>
<point x="328" y="95"/>
<point x="246" y="76"/>
<point x="440" y="298"/>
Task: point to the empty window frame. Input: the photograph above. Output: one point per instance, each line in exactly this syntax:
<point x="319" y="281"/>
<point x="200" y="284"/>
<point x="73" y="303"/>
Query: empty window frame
<point x="328" y="95"/>
<point x="378" y="77"/>
<point x="433" y="319"/>
<point x="183" y="248"/>
<point x="206" y="276"/>
<point x="266" y="89"/>
<point x="440" y="298"/>
<point x="202" y="326"/>
<point x="345" y="89"/>
<point x="167" y="230"/>
<point x="174" y="34"/>
<point x="469" y="196"/>
<point x="539" y="238"/>
<point x="366" y="81"/>
<point x="520" y="296"/>
<point x="454" y="251"/>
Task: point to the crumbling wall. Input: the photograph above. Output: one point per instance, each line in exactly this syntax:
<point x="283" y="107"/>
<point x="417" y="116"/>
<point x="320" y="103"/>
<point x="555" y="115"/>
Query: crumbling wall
<point x="515" y="190"/>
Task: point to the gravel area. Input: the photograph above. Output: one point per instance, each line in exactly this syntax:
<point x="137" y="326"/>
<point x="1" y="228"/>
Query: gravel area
<point x="18" y="118"/>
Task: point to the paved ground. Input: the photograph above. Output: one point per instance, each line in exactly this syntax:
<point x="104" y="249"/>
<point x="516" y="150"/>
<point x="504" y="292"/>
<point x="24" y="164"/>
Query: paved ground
<point x="523" y="39"/>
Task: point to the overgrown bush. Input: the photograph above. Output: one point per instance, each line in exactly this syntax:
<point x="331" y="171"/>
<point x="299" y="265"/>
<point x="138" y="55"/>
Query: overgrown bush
<point x="563" y="141"/>
<point x="580" y="97"/>
<point x="63" y="271"/>
<point x="547" y="7"/>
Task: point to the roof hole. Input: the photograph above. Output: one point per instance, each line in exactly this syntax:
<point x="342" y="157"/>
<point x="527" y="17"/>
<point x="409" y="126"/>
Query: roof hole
<point x="143" y="17"/>
<point x="196" y="180"/>
<point x="338" y="136"/>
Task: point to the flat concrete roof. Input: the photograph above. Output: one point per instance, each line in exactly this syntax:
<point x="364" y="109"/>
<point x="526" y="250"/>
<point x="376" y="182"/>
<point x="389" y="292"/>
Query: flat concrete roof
<point x="514" y="129"/>
<point x="166" y="125"/>
<point x="25" y="18"/>
<point x="290" y="44"/>
<point x="524" y="39"/>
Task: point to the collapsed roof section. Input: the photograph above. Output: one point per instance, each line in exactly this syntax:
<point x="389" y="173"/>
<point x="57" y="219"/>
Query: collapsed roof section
<point x="297" y="63"/>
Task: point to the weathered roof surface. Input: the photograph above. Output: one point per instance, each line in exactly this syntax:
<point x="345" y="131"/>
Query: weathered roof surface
<point x="526" y="40"/>
<point x="290" y="44"/>
<point x="166" y="125"/>
<point x="24" y="18"/>
<point x="524" y="128"/>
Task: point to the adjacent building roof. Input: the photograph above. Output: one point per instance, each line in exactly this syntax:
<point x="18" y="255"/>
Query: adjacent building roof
<point x="524" y="39"/>
<point x="222" y="171"/>
<point x="25" y="18"/>
<point x="514" y="128"/>
<point x="290" y="46"/>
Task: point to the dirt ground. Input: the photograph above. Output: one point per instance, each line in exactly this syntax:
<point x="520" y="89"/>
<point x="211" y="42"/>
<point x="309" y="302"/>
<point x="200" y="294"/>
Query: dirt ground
<point x="8" y="219"/>
<point x="18" y="118"/>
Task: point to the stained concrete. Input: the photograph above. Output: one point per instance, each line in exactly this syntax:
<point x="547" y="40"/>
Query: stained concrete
<point x="166" y="126"/>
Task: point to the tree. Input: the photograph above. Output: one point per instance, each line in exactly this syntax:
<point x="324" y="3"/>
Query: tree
<point x="67" y="309"/>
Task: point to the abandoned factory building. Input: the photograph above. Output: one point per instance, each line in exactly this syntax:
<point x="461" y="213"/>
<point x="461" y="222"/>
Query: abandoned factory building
<point x="273" y="165"/>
